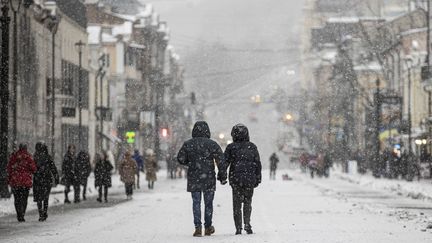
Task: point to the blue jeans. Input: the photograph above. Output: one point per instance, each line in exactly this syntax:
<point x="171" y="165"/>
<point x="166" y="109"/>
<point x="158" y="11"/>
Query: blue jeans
<point x="208" y="204"/>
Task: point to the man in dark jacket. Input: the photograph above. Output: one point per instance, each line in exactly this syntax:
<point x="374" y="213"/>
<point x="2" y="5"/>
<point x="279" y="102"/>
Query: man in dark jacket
<point x="140" y="165"/>
<point x="68" y="174"/>
<point x="45" y="177"/>
<point x="274" y="160"/>
<point x="244" y="164"/>
<point x="199" y="154"/>
<point x="83" y="170"/>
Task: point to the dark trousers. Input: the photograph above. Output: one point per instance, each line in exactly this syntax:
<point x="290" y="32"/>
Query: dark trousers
<point x="208" y="208"/>
<point x="272" y="174"/>
<point x="84" y="189"/>
<point x="242" y="195"/>
<point x="77" y="190"/>
<point x="20" y="200"/>
<point x="43" y="208"/>
<point x="129" y="189"/>
<point x="105" y="190"/>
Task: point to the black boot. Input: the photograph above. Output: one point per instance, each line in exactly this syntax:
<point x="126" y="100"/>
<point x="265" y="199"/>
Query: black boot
<point x="238" y="231"/>
<point x="248" y="229"/>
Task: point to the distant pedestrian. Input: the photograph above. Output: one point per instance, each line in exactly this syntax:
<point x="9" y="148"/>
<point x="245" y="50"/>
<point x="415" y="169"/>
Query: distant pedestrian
<point x="44" y="179"/>
<point x="274" y="160"/>
<point x="200" y="154"/>
<point x="128" y="169"/>
<point x="83" y="170"/>
<point x="68" y="174"/>
<point x="171" y="163"/>
<point x="242" y="158"/>
<point x="151" y="167"/>
<point x="328" y="163"/>
<point x="102" y="172"/>
<point x="140" y="166"/>
<point x="20" y="169"/>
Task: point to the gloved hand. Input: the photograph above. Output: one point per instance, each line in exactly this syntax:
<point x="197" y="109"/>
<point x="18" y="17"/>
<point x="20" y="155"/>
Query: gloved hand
<point x="224" y="182"/>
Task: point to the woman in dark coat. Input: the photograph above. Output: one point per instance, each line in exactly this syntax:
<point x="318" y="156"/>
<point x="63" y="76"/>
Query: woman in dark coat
<point x="244" y="164"/>
<point x="102" y="173"/>
<point x="45" y="177"/>
<point x="83" y="170"/>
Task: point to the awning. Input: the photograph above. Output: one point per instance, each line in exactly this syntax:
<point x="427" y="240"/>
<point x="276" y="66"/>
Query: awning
<point x="111" y="138"/>
<point x="388" y="133"/>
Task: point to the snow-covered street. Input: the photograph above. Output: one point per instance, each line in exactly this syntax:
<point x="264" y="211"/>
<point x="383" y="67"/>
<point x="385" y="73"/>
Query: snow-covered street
<point x="301" y="210"/>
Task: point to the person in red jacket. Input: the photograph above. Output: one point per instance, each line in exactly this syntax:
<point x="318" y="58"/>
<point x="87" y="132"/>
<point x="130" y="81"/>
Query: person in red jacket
<point x="20" y="169"/>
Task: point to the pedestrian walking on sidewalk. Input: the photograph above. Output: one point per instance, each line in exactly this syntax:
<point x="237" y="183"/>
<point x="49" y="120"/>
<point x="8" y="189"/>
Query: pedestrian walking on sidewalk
<point x="102" y="172"/>
<point x="20" y="169"/>
<point x="274" y="160"/>
<point x="200" y="154"/>
<point x="140" y="166"/>
<point x="83" y="170"/>
<point x="128" y="169"/>
<point x="151" y="167"/>
<point x="68" y="175"/>
<point x="44" y="179"/>
<point x="243" y="159"/>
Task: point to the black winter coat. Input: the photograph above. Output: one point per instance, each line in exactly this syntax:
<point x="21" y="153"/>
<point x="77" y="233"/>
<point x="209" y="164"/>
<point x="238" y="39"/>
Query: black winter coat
<point x="68" y="168"/>
<point x="243" y="159"/>
<point x="82" y="168"/>
<point x="45" y="176"/>
<point x="200" y="154"/>
<point x="102" y="173"/>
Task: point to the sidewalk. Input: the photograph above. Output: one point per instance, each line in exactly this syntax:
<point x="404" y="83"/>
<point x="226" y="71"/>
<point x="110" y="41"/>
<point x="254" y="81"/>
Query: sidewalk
<point x="57" y="196"/>
<point x="416" y="189"/>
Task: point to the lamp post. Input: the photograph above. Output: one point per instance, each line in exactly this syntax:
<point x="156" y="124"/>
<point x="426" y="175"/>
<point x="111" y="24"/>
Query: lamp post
<point x="80" y="45"/>
<point x="15" y="7"/>
<point x="55" y="22"/>
<point x="4" y="98"/>
<point x="409" y="63"/>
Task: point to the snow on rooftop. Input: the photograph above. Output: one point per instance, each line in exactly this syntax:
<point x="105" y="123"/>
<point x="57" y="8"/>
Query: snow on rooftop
<point x="146" y="12"/>
<point x="107" y="38"/>
<point x="124" y="29"/>
<point x="372" y="66"/>
<point x="343" y="20"/>
<point x="127" y="17"/>
<point x="93" y="34"/>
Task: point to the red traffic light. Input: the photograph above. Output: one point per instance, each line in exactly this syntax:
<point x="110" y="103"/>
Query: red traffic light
<point x="164" y="132"/>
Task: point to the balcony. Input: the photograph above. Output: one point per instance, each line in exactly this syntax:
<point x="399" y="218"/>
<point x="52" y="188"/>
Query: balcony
<point x="104" y="113"/>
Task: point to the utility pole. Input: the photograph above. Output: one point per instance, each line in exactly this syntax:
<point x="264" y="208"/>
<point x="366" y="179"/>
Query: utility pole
<point x="409" y="113"/>
<point x="53" y="83"/>
<point x="4" y="99"/>
<point x="377" y="128"/>
<point x="15" y="10"/>
<point x="79" y="45"/>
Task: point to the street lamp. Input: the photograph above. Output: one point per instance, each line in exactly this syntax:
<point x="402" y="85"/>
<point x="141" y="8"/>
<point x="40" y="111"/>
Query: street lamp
<point x="409" y="64"/>
<point x="4" y="97"/>
<point x="79" y="46"/>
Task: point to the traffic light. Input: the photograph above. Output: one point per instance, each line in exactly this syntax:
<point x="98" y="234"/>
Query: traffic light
<point x="165" y="132"/>
<point x="130" y="137"/>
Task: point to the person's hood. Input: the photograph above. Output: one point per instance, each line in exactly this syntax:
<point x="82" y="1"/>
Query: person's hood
<point x="240" y="133"/>
<point x="201" y="130"/>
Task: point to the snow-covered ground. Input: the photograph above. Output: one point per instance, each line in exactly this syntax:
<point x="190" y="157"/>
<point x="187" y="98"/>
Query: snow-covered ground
<point x="301" y="210"/>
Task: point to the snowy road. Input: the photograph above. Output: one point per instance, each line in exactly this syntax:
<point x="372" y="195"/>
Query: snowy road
<point x="301" y="210"/>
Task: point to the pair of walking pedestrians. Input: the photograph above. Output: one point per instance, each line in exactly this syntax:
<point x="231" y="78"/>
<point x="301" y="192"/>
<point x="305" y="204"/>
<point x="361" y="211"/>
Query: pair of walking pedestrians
<point x="200" y="154"/>
<point x="26" y="171"/>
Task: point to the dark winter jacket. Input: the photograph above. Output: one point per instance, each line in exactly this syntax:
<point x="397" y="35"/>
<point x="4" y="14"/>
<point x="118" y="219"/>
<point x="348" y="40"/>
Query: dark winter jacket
<point x="200" y="155"/>
<point x="274" y="160"/>
<point x="82" y="168"/>
<point x="102" y="173"/>
<point x="68" y="169"/>
<point x="20" y="169"/>
<point x="139" y="160"/>
<point x="243" y="159"/>
<point x="45" y="176"/>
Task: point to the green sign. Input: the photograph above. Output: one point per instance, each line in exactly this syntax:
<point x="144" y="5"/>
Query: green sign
<point x="130" y="137"/>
